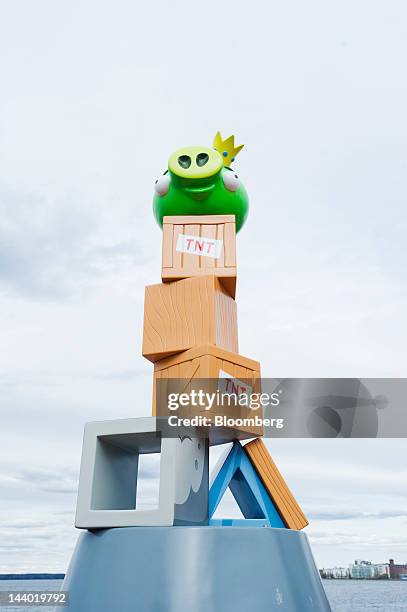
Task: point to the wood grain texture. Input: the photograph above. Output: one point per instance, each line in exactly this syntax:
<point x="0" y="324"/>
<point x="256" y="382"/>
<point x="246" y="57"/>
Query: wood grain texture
<point x="186" y="314"/>
<point x="209" y="350"/>
<point x="191" y="370"/>
<point x="275" y="484"/>
<point x="177" y="265"/>
<point x="208" y="231"/>
<point x="167" y="246"/>
<point x="200" y="219"/>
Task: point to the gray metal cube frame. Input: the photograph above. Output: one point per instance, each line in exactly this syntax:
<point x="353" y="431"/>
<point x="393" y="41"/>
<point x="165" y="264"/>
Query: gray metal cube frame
<point x="109" y="471"/>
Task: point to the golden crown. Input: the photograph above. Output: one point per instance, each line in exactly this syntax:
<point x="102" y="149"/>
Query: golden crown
<point x="226" y="148"/>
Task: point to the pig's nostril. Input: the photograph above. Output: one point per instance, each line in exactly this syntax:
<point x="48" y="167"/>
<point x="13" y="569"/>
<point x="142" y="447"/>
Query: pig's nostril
<point x="184" y="161"/>
<point x="202" y="159"/>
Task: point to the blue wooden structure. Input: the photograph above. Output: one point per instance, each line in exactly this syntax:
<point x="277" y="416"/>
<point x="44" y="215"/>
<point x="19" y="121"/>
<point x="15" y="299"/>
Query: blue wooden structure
<point x="238" y="474"/>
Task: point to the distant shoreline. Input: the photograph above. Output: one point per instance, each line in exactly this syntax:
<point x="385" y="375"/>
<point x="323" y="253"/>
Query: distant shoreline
<point x="32" y="576"/>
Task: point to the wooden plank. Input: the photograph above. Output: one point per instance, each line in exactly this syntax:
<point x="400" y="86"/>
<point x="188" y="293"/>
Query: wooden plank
<point x="177" y="257"/>
<point x="171" y="274"/>
<point x="167" y="246"/>
<point x="220" y="235"/>
<point x="201" y="219"/>
<point x="191" y="263"/>
<point x="281" y="487"/>
<point x="279" y="484"/>
<point x="275" y="484"/>
<point x="275" y="490"/>
<point x="215" y="351"/>
<point x="230" y="245"/>
<point x="208" y="231"/>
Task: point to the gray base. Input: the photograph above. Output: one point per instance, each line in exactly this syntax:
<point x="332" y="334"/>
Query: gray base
<point x="199" y="569"/>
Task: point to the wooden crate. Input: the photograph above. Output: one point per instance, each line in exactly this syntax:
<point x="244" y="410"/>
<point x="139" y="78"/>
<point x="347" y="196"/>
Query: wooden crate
<point x="186" y="314"/>
<point x="200" y="245"/>
<point x="193" y="369"/>
<point x="275" y="484"/>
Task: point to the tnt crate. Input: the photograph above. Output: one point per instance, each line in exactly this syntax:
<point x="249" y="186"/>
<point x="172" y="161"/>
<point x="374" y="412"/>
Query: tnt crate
<point x="216" y="371"/>
<point x="200" y="245"/>
<point x="188" y="313"/>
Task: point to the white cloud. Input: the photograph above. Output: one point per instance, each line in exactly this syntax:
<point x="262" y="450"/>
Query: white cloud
<point x="52" y="249"/>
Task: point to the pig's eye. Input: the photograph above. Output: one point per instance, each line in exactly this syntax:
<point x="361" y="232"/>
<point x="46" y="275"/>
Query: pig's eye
<point x="231" y="180"/>
<point x="162" y="184"/>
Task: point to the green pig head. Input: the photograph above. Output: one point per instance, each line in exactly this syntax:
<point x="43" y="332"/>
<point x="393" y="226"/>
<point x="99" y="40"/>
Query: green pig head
<point x="200" y="181"/>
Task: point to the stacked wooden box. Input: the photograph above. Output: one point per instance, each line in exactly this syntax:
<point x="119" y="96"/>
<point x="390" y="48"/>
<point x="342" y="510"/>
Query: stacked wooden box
<point x="190" y="319"/>
<point x="190" y="334"/>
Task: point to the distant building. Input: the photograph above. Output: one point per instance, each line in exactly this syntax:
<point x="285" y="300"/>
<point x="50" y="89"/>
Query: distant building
<point x="365" y="570"/>
<point x="361" y="570"/>
<point x="397" y="572"/>
<point x="381" y="571"/>
<point x="335" y="573"/>
<point x="340" y="573"/>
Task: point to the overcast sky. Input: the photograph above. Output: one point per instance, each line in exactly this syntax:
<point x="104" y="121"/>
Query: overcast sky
<point x="94" y="96"/>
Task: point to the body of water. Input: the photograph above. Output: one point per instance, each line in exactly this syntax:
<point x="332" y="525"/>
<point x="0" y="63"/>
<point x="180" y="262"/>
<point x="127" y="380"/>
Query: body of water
<point x="370" y="595"/>
<point x="344" y="595"/>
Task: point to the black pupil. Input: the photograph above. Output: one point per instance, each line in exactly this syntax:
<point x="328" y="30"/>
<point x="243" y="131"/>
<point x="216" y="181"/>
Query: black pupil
<point x="202" y="159"/>
<point x="184" y="161"/>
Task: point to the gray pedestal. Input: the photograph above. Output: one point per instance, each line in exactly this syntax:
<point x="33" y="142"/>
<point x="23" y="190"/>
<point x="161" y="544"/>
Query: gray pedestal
<point x="194" y="569"/>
